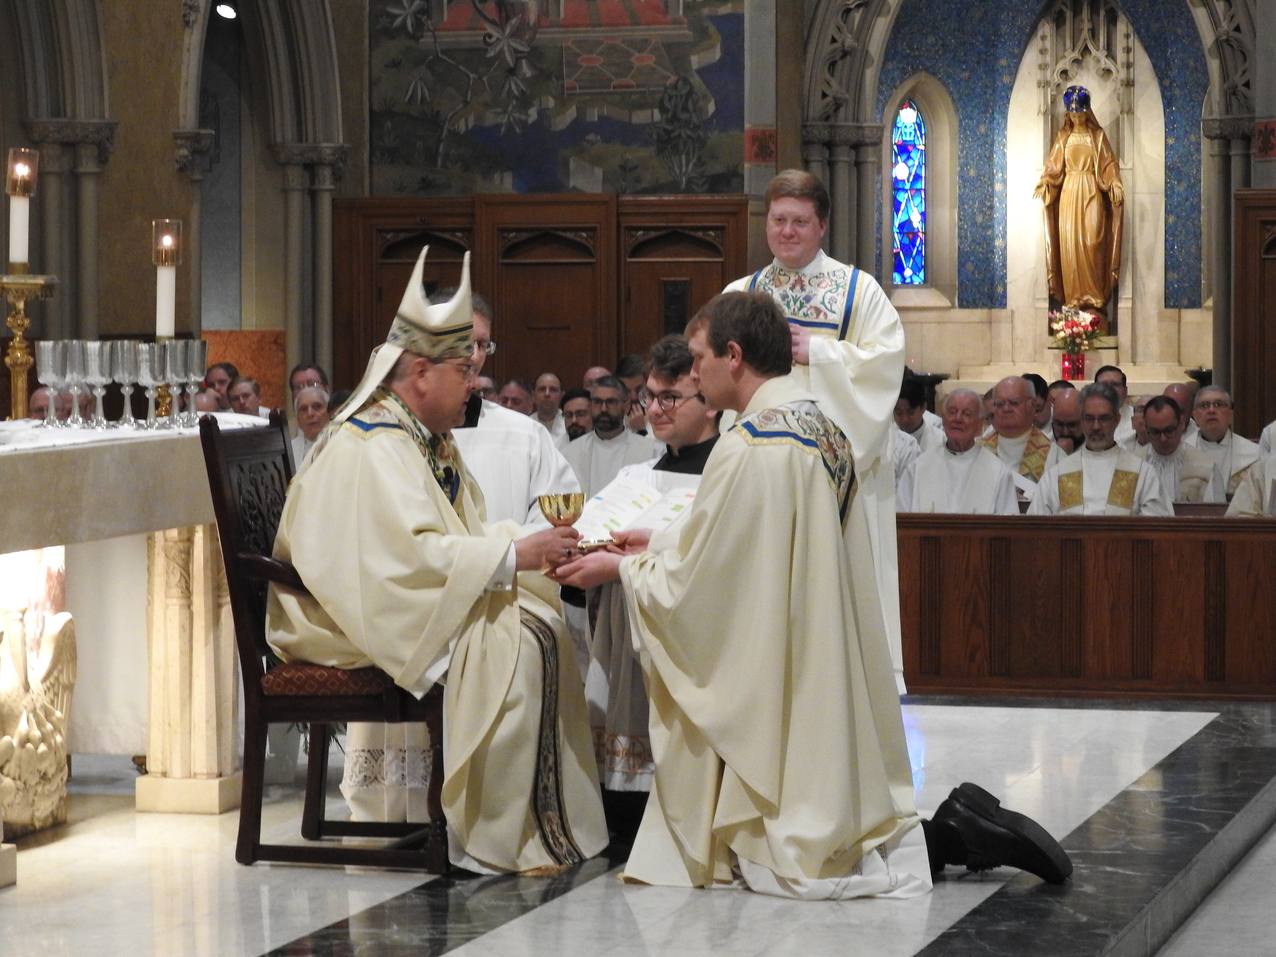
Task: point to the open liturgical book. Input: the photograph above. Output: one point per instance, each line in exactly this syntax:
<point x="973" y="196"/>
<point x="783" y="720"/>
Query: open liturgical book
<point x="630" y="502"/>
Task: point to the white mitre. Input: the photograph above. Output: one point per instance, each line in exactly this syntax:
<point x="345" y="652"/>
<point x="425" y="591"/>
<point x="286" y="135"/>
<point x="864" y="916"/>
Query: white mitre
<point x="441" y="331"/>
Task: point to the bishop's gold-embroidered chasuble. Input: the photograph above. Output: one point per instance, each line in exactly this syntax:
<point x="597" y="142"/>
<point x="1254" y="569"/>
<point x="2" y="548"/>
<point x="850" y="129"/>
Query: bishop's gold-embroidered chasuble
<point x="775" y="724"/>
<point x="385" y="528"/>
<point x="856" y="364"/>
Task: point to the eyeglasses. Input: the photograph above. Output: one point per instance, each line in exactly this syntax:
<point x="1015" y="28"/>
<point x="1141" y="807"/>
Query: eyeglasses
<point x="1064" y="424"/>
<point x="1098" y="419"/>
<point x="485" y="347"/>
<point x="463" y="366"/>
<point x="668" y="401"/>
<point x="1161" y="433"/>
<point x="608" y="403"/>
<point x="572" y="416"/>
<point x="1214" y="404"/>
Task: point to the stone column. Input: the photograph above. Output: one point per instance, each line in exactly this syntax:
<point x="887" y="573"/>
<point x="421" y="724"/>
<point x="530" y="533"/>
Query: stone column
<point x="843" y="194"/>
<point x="867" y="161"/>
<point x="1228" y="172"/>
<point x="815" y="138"/>
<point x="327" y="168"/>
<point x="55" y="163"/>
<point x="190" y="755"/>
<point x="294" y="158"/>
<point x="93" y="141"/>
<point x="191" y="147"/>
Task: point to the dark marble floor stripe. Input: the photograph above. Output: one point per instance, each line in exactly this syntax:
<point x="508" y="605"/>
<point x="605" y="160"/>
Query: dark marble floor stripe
<point x="1145" y="860"/>
<point x="440" y="915"/>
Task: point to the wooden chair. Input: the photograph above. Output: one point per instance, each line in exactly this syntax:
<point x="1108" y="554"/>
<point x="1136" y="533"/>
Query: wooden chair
<point x="248" y="475"/>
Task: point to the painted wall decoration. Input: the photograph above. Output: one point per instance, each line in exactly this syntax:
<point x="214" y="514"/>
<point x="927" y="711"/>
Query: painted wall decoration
<point x="976" y="56"/>
<point x="627" y="96"/>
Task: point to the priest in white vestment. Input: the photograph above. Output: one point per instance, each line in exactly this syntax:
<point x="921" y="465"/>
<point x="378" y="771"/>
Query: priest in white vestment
<point x="1065" y="420"/>
<point x="1115" y="377"/>
<point x="781" y="763"/>
<point x="385" y="526"/>
<point x="679" y="417"/>
<point x="1103" y="478"/>
<point x="598" y="456"/>
<point x="1256" y="494"/>
<point x="904" y="452"/>
<point x="311" y="407"/>
<point x="1024" y="448"/>
<point x="848" y="351"/>
<point x="959" y="475"/>
<point x="548" y="395"/>
<point x="910" y="415"/>
<point x="1232" y="453"/>
<point x="1187" y="474"/>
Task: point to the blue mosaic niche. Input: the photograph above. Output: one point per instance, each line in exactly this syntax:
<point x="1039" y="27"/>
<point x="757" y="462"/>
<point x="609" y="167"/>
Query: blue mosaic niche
<point x="974" y="49"/>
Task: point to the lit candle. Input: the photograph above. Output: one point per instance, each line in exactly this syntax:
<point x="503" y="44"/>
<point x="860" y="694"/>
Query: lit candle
<point x="20" y="182"/>
<point x="166" y="253"/>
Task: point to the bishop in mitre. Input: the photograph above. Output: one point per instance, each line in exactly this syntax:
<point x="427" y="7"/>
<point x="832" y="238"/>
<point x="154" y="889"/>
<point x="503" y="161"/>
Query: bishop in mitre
<point x="848" y="351"/>
<point x="386" y="528"/>
<point x="777" y="734"/>
<point x="1102" y="478"/>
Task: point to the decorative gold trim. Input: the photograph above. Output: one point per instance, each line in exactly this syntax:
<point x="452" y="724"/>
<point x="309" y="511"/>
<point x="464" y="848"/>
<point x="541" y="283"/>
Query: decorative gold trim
<point x="1071" y="491"/>
<point x="1121" y="494"/>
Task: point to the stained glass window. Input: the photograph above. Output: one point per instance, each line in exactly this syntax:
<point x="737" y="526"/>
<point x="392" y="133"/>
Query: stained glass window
<point x="908" y="179"/>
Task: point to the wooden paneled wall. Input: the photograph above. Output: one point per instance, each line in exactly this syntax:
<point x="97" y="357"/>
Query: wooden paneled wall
<point x="574" y="280"/>
<point x="1180" y="607"/>
<point x="1254" y="310"/>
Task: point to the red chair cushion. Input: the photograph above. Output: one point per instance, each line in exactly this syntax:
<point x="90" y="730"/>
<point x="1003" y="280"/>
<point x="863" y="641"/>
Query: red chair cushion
<point x="303" y="679"/>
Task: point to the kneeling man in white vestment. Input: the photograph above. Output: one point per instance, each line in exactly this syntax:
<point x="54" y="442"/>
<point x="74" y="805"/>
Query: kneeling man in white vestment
<point x="956" y="474"/>
<point x="1102" y="478"/>
<point x="776" y="729"/>
<point x="386" y="528"/>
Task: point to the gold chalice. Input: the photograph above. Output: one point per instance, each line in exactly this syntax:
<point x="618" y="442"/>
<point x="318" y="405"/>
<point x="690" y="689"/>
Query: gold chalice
<point x="563" y="509"/>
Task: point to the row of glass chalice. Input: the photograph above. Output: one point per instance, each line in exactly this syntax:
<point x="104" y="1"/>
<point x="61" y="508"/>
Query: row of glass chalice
<point x="72" y="364"/>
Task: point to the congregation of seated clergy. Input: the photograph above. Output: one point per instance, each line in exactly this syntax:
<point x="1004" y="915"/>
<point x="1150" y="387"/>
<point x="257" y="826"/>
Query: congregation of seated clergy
<point x="1068" y="448"/>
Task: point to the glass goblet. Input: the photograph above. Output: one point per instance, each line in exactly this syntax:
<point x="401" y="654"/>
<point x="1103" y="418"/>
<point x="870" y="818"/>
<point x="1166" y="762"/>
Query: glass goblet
<point x="124" y="366"/>
<point x="75" y="380"/>
<point x="149" y="377"/>
<point x="50" y="369"/>
<point x="173" y="375"/>
<point x="196" y="362"/>
<point x="97" y="373"/>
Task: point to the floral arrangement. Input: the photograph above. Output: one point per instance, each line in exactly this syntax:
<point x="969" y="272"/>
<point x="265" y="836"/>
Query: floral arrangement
<point x="1075" y="330"/>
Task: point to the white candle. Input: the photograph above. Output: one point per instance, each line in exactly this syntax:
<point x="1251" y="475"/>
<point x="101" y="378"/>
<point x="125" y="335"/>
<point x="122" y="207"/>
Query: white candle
<point x="19" y="229"/>
<point x="165" y="301"/>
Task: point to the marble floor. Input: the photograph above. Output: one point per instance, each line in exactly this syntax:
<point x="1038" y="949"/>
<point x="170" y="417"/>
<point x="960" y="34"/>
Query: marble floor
<point x="115" y="882"/>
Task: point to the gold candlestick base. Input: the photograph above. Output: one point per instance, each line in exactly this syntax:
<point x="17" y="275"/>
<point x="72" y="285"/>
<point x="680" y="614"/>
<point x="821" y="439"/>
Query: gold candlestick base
<point x="19" y="287"/>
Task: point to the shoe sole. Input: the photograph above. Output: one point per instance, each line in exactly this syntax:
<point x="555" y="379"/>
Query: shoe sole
<point x="988" y="807"/>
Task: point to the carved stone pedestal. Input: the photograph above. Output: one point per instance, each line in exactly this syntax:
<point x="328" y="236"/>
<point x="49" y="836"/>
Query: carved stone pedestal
<point x="8" y="865"/>
<point x="190" y="755"/>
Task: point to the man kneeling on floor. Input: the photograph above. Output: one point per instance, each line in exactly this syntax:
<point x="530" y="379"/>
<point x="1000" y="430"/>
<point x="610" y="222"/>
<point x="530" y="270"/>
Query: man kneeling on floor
<point x="386" y="529"/>
<point x="776" y="727"/>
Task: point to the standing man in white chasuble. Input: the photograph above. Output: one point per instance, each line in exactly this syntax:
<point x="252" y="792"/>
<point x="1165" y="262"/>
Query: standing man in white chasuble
<point x="848" y="351"/>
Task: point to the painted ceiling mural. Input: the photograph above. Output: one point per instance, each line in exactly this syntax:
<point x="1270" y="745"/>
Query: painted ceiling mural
<point x="626" y="96"/>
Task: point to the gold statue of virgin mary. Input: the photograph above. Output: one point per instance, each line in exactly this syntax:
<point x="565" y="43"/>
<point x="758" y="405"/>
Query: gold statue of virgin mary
<point x="1083" y="197"/>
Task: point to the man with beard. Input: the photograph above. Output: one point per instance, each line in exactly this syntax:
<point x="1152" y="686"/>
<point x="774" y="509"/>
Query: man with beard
<point x="596" y="458"/>
<point x="1103" y="478"/>
<point x="578" y="413"/>
<point x="1187" y="474"/>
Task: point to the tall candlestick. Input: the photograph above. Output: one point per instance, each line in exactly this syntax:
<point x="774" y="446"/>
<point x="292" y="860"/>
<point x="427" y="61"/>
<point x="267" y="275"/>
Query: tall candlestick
<point x="20" y="180"/>
<point x="166" y="253"/>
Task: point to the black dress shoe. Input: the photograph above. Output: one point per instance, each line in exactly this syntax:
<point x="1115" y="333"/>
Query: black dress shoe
<point x="995" y="837"/>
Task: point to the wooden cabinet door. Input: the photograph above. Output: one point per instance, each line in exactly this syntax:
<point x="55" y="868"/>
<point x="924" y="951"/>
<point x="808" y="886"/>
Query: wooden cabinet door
<point x="677" y="253"/>
<point x="549" y="264"/>
<point x="1254" y="310"/>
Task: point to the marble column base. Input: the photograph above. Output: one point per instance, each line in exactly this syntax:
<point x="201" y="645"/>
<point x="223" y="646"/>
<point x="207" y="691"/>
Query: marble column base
<point x="8" y="865"/>
<point x="188" y="795"/>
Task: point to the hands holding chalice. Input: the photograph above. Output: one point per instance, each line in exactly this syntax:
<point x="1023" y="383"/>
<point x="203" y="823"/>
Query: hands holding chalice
<point x="561" y="550"/>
